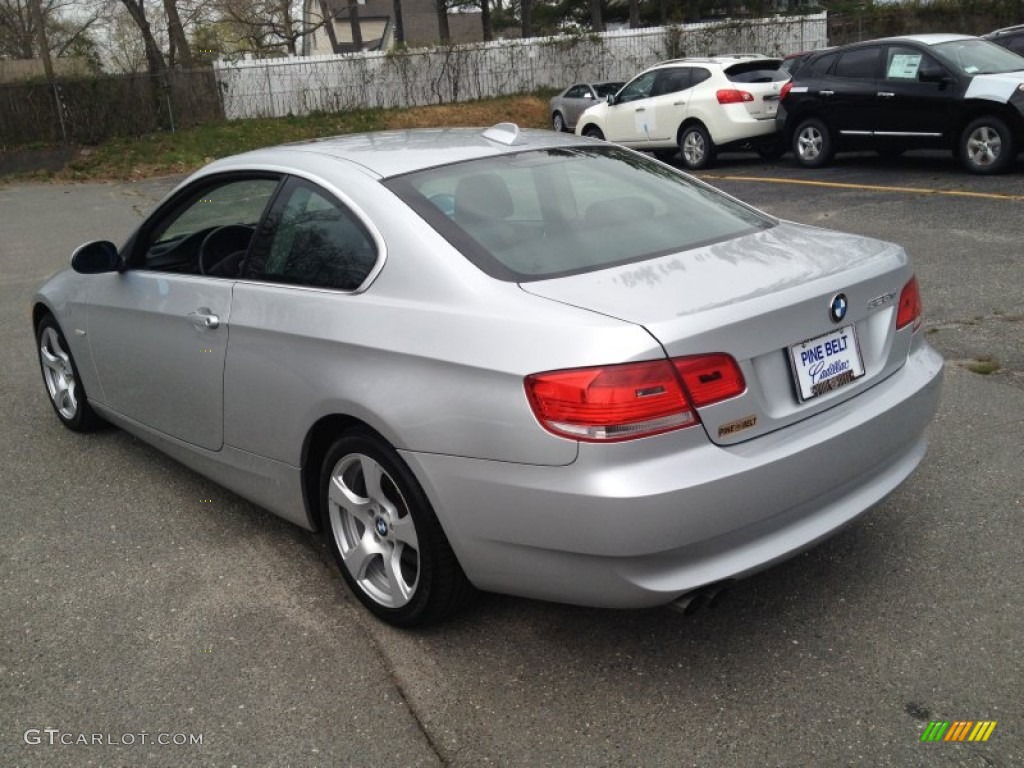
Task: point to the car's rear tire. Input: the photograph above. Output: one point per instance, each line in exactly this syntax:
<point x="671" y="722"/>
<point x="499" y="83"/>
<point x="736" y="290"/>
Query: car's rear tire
<point x="593" y="132"/>
<point x="986" y="145"/>
<point x="61" y="378"/>
<point x="558" y="123"/>
<point x="812" y="143"/>
<point x="696" y="148"/>
<point x="387" y="541"/>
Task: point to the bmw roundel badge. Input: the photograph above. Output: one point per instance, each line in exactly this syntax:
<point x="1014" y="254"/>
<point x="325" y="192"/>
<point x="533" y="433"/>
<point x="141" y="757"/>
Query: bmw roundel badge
<point x="837" y="309"/>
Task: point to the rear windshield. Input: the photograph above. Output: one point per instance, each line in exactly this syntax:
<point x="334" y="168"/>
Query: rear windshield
<point x="548" y="213"/>
<point x="607" y="89"/>
<point x="978" y="57"/>
<point x="757" y="71"/>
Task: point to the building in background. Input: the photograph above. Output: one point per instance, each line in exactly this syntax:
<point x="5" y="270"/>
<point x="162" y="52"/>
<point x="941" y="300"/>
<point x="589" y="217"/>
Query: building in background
<point x="377" y="25"/>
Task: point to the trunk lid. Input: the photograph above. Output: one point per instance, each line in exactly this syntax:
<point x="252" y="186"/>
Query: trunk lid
<point x="763" y="80"/>
<point x="757" y="297"/>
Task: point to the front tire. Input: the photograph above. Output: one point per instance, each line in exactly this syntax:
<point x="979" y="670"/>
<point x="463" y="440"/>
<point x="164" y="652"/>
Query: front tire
<point x="812" y="144"/>
<point x="986" y="145"/>
<point x="61" y="378"/>
<point x="696" y="148"/>
<point x="558" y="123"/>
<point x="385" y="536"/>
<point x="593" y="132"/>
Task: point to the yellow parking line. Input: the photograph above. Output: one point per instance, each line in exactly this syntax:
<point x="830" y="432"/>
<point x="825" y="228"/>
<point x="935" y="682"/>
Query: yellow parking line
<point x="869" y="187"/>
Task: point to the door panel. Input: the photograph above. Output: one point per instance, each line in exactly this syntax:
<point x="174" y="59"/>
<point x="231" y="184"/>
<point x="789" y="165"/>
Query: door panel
<point x="630" y="119"/>
<point x="908" y="108"/>
<point x="160" y="361"/>
<point x="850" y="92"/>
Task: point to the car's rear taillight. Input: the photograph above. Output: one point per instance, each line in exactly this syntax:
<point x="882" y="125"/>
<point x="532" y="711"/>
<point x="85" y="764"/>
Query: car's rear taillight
<point x="910" y="306"/>
<point x="624" y="402"/>
<point x="785" y="90"/>
<point x="733" y="96"/>
<point x="710" y="378"/>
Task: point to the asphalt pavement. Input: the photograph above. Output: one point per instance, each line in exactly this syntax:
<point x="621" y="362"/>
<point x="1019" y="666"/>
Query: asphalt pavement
<point x="140" y="598"/>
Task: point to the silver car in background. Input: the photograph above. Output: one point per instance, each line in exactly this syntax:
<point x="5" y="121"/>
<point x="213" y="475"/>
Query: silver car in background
<point x="505" y="360"/>
<point x="566" y="107"/>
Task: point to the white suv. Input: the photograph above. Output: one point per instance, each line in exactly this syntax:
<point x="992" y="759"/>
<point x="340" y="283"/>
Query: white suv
<point x="696" y="106"/>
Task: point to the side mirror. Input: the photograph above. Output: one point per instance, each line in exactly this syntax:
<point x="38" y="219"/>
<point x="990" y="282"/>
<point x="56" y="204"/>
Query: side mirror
<point x="610" y="99"/>
<point x="96" y="257"/>
<point x="932" y="74"/>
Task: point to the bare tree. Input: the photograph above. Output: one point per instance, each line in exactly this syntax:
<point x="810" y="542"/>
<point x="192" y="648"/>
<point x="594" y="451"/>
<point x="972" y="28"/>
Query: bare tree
<point x="595" y="16"/>
<point x="154" y="56"/>
<point x="180" y="51"/>
<point x="266" y="26"/>
<point x="396" y="6"/>
<point x="444" y="34"/>
<point x="64" y="22"/>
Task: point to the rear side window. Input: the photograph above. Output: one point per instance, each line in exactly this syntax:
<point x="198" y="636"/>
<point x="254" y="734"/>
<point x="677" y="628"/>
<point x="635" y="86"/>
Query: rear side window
<point x="547" y="213"/>
<point x="311" y="239"/>
<point x="700" y="75"/>
<point x="761" y="71"/>
<point x="861" y="63"/>
<point x="671" y="81"/>
<point x="823" y="64"/>
<point x="578" y="92"/>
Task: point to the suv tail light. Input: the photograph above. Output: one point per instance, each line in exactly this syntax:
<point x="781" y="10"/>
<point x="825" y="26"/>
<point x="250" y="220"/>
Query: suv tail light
<point x="785" y="90"/>
<point x="623" y="402"/>
<point x="733" y="96"/>
<point x="910" y="306"/>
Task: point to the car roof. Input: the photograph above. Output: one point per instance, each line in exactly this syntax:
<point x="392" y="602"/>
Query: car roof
<point x="1015" y="29"/>
<point x="723" y="60"/>
<point x="934" y="38"/>
<point x="392" y="153"/>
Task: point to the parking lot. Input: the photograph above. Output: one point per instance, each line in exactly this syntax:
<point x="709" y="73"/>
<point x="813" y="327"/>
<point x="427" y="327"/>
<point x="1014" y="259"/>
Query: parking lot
<point x="140" y="598"/>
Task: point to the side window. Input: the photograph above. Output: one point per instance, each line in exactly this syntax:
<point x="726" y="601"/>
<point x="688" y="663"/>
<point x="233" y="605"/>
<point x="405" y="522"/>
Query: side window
<point x="903" y="64"/>
<point x="210" y="230"/>
<point x="700" y="75"/>
<point x="1017" y="44"/>
<point x="823" y="64"/>
<point x="671" y="80"/>
<point x="577" y="92"/>
<point x="312" y="240"/>
<point x="640" y="88"/>
<point x="860" y="64"/>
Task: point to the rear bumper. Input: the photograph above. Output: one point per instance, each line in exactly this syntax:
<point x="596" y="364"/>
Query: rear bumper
<point x="638" y="524"/>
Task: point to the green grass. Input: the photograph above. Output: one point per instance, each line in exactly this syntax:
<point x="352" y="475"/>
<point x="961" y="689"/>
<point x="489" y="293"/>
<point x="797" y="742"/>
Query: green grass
<point x="983" y="366"/>
<point x="166" y="153"/>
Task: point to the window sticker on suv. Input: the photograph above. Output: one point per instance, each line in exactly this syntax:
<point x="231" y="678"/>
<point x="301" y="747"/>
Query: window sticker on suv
<point x="904" y="66"/>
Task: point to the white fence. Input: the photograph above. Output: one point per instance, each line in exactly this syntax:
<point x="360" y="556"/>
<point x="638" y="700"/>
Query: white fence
<point x="300" y="85"/>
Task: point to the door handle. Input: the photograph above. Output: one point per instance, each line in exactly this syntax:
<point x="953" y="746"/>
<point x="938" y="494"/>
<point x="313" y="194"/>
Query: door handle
<point x="678" y="103"/>
<point x="885" y="94"/>
<point x="641" y="109"/>
<point x="826" y="93"/>
<point x="204" y="318"/>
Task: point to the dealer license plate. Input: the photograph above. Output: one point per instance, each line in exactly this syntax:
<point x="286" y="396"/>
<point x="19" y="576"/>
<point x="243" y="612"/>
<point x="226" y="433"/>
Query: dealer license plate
<point x="826" y="362"/>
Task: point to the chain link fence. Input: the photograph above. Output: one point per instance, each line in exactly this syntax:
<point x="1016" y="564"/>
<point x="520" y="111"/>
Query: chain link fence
<point x="91" y="110"/>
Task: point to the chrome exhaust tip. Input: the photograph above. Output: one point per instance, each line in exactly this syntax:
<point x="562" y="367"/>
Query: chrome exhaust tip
<point x="707" y="596"/>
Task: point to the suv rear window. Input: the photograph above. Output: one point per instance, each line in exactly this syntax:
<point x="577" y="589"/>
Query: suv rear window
<point x="758" y="71"/>
<point x="547" y="213"/>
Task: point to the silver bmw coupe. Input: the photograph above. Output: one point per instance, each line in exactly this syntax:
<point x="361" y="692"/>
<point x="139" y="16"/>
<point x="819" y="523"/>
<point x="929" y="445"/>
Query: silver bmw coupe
<point x="502" y="360"/>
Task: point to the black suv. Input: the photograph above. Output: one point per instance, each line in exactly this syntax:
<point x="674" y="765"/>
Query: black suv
<point x="1010" y="37"/>
<point x="947" y="91"/>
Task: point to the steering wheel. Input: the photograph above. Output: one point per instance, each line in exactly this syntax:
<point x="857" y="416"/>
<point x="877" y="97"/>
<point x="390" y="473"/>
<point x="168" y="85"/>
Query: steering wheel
<point x="223" y="243"/>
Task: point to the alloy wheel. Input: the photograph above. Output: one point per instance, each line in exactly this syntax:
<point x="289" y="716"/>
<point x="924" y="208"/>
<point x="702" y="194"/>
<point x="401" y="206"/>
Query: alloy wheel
<point x="374" y="531"/>
<point x="58" y="374"/>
